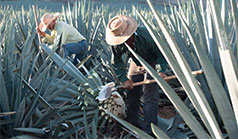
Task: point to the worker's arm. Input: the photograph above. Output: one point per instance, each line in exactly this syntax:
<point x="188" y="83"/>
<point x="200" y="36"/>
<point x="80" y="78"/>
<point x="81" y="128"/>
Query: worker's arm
<point x="50" y="38"/>
<point x="46" y="37"/>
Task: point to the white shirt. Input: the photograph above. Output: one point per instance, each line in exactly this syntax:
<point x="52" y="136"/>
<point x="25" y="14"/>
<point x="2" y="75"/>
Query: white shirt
<point x="68" y="32"/>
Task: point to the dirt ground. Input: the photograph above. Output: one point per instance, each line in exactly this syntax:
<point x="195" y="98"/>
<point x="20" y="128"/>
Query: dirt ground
<point x="166" y="112"/>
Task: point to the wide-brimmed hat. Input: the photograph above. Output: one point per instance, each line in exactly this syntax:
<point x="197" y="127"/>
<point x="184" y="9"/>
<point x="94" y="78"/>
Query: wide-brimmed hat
<point x="119" y="29"/>
<point x="46" y="19"/>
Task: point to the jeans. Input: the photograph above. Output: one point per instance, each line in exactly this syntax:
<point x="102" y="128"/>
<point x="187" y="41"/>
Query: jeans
<point x="80" y="50"/>
<point x="150" y="97"/>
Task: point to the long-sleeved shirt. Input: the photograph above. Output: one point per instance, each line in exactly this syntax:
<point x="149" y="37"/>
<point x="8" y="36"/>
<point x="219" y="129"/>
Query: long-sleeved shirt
<point x="69" y="34"/>
<point x="144" y="46"/>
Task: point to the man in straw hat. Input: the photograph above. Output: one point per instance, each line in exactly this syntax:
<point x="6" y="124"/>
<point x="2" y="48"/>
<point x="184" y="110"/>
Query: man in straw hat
<point x="123" y="29"/>
<point x="64" y="35"/>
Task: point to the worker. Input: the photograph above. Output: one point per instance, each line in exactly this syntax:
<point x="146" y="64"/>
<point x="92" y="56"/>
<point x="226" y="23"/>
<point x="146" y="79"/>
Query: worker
<point x="65" y="35"/>
<point x="123" y="30"/>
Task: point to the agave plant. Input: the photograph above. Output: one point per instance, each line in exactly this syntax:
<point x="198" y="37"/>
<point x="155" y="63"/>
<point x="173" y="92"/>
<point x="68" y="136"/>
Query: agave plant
<point x="46" y="96"/>
<point x="191" y="32"/>
<point x="49" y="97"/>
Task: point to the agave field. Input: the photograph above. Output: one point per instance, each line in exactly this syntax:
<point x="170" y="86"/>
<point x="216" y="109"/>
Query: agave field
<point x="43" y="95"/>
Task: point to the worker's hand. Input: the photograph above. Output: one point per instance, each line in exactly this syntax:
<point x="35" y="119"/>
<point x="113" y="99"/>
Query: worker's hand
<point x="128" y="84"/>
<point x="161" y="74"/>
<point x="40" y="32"/>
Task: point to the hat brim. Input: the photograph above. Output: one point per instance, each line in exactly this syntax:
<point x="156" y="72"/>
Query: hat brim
<point x="43" y="26"/>
<point x="112" y="39"/>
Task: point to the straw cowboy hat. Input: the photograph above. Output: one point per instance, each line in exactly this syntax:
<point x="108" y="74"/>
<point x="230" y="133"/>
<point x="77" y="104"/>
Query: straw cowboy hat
<point x="119" y="29"/>
<point x="46" y="19"/>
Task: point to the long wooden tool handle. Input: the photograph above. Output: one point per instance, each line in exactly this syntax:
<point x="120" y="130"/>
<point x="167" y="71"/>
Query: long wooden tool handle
<point x="36" y="20"/>
<point x="167" y="78"/>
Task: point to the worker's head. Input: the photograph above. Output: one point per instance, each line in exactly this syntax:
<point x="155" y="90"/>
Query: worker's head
<point x="52" y="25"/>
<point x="120" y="29"/>
<point x="48" y="21"/>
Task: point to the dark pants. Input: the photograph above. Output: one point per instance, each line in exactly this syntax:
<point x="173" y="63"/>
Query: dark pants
<point x="150" y="98"/>
<point x="80" y="50"/>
